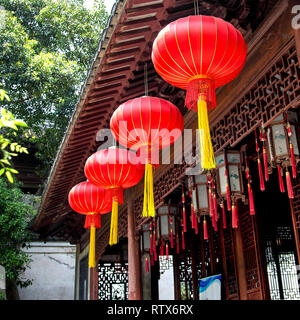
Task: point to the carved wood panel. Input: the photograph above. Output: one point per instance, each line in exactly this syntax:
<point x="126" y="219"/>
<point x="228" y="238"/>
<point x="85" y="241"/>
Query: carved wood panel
<point x="279" y="88"/>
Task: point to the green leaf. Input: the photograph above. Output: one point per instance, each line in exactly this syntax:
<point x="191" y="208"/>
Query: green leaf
<point x="20" y="123"/>
<point x="2" y="171"/>
<point x="9" y="177"/>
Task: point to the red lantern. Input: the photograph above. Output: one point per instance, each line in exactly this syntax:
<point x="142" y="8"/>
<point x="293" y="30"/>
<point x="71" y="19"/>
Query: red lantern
<point x="200" y="53"/>
<point x="146" y="124"/>
<point x="88" y="199"/>
<point x="114" y="169"/>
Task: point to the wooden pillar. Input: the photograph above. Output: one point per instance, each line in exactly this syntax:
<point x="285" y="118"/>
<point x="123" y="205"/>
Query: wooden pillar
<point x="224" y="263"/>
<point x="134" y="283"/>
<point x="296" y="232"/>
<point x="240" y="264"/>
<point x="193" y="243"/>
<point x="94" y="283"/>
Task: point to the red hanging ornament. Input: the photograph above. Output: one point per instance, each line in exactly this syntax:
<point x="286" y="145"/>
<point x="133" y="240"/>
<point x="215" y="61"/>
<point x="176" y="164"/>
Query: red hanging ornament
<point x="114" y="169"/>
<point x="161" y="252"/>
<point x="281" y="184"/>
<point x="227" y="189"/>
<point x="251" y="200"/>
<point x="261" y="178"/>
<point x="172" y="239"/>
<point x="152" y="260"/>
<point x="205" y="234"/>
<point x="151" y="124"/>
<point x="147" y="265"/>
<point x="289" y="184"/>
<point x="88" y="199"/>
<point x="196" y="223"/>
<point x="215" y="207"/>
<point x="200" y="53"/>
<point x="265" y="158"/>
<point x="183" y="242"/>
<point x="223" y="216"/>
<point x="167" y="251"/>
<point x="293" y="162"/>
<point x="234" y="215"/>
<point x="177" y="244"/>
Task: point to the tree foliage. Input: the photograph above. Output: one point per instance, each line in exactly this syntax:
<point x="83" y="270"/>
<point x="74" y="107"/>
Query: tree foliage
<point x="8" y="146"/>
<point x="46" y="48"/>
<point x="14" y="235"/>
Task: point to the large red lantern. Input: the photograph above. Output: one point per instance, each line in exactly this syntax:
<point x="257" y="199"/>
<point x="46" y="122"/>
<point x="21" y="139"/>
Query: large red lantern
<point x="88" y="199"/>
<point x="114" y="169"/>
<point x="147" y="124"/>
<point x="200" y="53"/>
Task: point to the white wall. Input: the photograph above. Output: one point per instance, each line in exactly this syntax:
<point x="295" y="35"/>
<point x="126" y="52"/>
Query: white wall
<point x="52" y="270"/>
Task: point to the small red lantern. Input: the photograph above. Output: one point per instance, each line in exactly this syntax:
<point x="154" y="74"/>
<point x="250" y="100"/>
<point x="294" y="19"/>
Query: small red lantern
<point x="200" y="53"/>
<point x="88" y="199"/>
<point x="114" y="169"/>
<point x="145" y="124"/>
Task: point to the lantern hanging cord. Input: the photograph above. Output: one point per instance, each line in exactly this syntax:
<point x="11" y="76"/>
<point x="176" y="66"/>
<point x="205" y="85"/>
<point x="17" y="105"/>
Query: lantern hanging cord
<point x="146" y="78"/>
<point x="196" y="7"/>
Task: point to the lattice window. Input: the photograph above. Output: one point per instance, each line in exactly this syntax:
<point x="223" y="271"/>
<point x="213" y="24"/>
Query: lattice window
<point x="112" y="281"/>
<point x="278" y="88"/>
<point x="185" y="278"/>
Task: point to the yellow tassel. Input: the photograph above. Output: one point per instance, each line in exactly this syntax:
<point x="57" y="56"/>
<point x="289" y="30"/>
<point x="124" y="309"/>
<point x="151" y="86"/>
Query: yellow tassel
<point x="148" y="206"/>
<point x="92" y="262"/>
<point x="206" y="150"/>
<point x="113" y="239"/>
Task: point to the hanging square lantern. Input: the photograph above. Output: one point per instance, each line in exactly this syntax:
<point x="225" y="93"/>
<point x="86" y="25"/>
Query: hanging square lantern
<point x="167" y="221"/>
<point x="279" y="142"/>
<point x="145" y="244"/>
<point x="232" y="161"/>
<point x="200" y="194"/>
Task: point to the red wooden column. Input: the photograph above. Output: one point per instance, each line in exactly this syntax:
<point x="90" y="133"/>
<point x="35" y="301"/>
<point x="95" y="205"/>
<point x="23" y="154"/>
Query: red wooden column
<point x="134" y="283"/>
<point x="240" y="264"/>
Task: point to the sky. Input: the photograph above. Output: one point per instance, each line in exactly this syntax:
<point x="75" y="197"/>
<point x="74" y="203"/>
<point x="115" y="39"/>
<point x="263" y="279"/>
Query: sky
<point x="108" y="4"/>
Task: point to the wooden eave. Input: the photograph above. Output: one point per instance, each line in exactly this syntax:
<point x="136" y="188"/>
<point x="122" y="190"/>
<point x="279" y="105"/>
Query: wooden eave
<point x="116" y="75"/>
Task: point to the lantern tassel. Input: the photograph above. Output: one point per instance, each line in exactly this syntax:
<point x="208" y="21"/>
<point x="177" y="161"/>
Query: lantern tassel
<point x="196" y="223"/>
<point x="113" y="239"/>
<point x="172" y="239"/>
<point x="265" y="158"/>
<point x="289" y="185"/>
<point x="234" y="216"/>
<point x="184" y="219"/>
<point x="215" y="207"/>
<point x="147" y="265"/>
<point x="92" y="261"/>
<point x="148" y="206"/>
<point x="251" y="201"/>
<point x="206" y="150"/>
<point x="228" y="197"/>
<point x="205" y="235"/>
<point x="177" y="244"/>
<point x="167" y="251"/>
<point x="224" y="217"/>
<point x="183" y="242"/>
<point x="293" y="161"/>
<point x="161" y="252"/>
<point x="261" y="178"/>
<point x="281" y="184"/>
